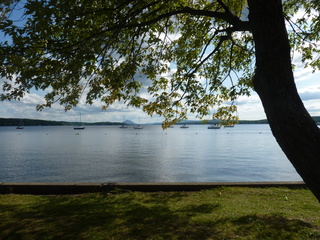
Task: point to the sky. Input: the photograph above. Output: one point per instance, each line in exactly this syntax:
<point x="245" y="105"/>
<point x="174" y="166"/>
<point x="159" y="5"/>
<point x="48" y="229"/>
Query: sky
<point x="249" y="108"/>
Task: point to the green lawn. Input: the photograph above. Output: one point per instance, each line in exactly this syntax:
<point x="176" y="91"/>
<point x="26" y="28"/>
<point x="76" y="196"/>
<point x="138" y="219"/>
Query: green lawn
<point x="221" y="213"/>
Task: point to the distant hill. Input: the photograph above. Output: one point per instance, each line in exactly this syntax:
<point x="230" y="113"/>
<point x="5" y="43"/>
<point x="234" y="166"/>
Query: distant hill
<point x="263" y="121"/>
<point x="128" y="122"/>
<point x="38" y="122"/>
<point x="31" y="122"/>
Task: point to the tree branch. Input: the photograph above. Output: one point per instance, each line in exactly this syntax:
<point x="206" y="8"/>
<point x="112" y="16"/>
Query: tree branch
<point x="238" y="25"/>
<point x="222" y="39"/>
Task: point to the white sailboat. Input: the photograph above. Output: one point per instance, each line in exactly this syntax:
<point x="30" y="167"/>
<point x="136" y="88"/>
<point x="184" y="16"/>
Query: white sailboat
<point x="21" y="126"/>
<point x="79" y="127"/>
<point x="138" y="126"/>
<point x="214" y="126"/>
<point x="123" y="126"/>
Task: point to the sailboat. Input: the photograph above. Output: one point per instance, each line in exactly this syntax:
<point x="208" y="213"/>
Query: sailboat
<point x="20" y="125"/>
<point x="123" y="126"/>
<point x="80" y="127"/>
<point x="214" y="126"/>
<point x="138" y="126"/>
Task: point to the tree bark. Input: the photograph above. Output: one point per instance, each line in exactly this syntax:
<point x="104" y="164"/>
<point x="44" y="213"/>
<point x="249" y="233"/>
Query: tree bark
<point x="292" y="126"/>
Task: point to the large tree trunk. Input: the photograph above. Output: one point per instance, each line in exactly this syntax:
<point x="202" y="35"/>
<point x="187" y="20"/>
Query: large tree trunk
<point x="294" y="129"/>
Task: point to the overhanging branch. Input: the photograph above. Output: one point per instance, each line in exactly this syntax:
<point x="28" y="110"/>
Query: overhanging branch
<point x="238" y="25"/>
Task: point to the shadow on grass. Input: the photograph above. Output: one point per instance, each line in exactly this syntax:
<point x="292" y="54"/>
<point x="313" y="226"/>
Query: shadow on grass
<point x="274" y="227"/>
<point x="124" y="216"/>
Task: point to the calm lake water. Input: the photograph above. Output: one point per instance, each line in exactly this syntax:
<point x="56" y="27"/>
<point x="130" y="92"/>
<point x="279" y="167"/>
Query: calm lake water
<point x="110" y="154"/>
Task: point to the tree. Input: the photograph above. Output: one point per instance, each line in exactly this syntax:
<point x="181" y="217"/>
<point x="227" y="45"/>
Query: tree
<point x="104" y="48"/>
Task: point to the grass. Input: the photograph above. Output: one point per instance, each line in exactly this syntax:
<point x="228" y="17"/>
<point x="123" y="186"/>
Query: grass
<point x="221" y="213"/>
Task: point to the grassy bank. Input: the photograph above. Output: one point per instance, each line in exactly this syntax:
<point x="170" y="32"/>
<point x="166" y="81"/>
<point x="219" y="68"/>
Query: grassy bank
<point x="221" y="213"/>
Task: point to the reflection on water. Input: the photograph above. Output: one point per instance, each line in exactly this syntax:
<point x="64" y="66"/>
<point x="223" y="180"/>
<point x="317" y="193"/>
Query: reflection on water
<point x="111" y="154"/>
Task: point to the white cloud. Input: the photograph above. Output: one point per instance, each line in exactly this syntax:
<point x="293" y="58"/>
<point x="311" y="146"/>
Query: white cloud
<point x="250" y="108"/>
<point x="302" y="74"/>
<point x="310" y="95"/>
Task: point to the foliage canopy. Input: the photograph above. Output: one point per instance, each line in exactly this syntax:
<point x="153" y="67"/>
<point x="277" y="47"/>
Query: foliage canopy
<point x="188" y="55"/>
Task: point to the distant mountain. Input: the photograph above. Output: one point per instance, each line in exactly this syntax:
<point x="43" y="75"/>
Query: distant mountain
<point x="128" y="122"/>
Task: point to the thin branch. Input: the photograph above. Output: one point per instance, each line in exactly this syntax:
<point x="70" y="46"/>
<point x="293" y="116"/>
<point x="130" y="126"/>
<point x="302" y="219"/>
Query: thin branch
<point x="208" y="44"/>
<point x="222" y="39"/>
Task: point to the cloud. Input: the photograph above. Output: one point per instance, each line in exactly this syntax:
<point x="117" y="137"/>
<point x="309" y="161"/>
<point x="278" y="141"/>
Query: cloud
<point x="303" y="74"/>
<point x="306" y="96"/>
<point x="250" y="108"/>
<point x="310" y="93"/>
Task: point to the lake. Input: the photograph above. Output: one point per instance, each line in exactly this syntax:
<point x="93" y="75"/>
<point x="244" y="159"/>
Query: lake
<point x="244" y="153"/>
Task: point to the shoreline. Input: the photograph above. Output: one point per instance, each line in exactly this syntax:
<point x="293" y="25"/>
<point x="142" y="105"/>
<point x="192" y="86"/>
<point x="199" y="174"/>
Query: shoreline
<point x="81" y="188"/>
